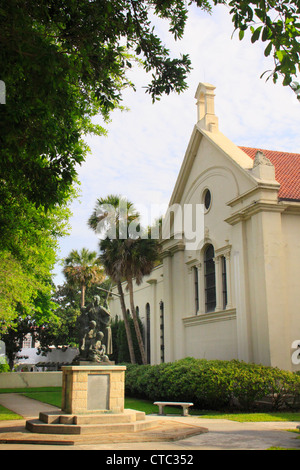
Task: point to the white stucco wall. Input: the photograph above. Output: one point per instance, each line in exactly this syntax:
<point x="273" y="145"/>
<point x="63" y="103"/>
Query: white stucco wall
<point x="30" y="379"/>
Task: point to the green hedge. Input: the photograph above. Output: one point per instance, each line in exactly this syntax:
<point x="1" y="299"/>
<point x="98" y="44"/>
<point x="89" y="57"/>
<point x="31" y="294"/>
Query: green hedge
<point x="214" y="385"/>
<point x="4" y="368"/>
<point x="120" y="345"/>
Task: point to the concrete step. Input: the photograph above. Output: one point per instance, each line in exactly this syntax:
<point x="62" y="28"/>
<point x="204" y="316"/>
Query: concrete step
<point x="38" y="426"/>
<point x="109" y="418"/>
<point x="128" y="416"/>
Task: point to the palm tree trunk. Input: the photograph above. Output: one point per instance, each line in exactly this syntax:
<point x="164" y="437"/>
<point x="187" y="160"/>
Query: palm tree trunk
<point x="126" y="323"/>
<point x="135" y="322"/>
<point x="83" y="288"/>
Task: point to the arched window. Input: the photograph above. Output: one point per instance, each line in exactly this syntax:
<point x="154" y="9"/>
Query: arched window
<point x="210" y="279"/>
<point x="196" y="289"/>
<point x="224" y="282"/>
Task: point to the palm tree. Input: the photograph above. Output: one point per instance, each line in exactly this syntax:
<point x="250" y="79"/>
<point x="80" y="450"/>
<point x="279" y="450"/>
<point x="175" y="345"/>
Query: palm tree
<point x="128" y="259"/>
<point x="139" y="258"/>
<point x="111" y="250"/>
<point x="110" y="259"/>
<point x="83" y="269"/>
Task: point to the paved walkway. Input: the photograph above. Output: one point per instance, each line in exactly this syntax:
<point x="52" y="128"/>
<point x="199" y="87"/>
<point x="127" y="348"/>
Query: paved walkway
<point x="222" y="434"/>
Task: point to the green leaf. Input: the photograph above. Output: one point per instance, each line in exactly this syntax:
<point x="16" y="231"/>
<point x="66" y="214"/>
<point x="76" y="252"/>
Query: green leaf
<point x="256" y="34"/>
<point x="287" y="80"/>
<point x="268" y="49"/>
<point x="266" y="34"/>
<point x="280" y="55"/>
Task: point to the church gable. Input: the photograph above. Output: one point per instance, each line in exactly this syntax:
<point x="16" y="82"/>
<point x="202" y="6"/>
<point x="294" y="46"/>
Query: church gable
<point x="214" y="170"/>
<point x="209" y="149"/>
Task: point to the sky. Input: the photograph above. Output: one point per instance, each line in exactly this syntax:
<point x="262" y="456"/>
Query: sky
<point x="141" y="155"/>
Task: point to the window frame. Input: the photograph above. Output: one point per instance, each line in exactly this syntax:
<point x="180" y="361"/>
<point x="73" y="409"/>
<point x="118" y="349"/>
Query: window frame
<point x="210" y="305"/>
<point x="205" y="192"/>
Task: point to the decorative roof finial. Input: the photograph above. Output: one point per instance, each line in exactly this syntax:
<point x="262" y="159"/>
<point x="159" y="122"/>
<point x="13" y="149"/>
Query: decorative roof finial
<point x="205" y="97"/>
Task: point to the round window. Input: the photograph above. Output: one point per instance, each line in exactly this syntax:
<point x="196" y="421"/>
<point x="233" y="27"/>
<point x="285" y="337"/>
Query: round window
<point x="207" y="199"/>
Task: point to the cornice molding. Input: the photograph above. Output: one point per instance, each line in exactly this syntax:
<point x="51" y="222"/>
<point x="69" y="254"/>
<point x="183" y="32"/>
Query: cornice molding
<point x="213" y="317"/>
<point x="254" y="208"/>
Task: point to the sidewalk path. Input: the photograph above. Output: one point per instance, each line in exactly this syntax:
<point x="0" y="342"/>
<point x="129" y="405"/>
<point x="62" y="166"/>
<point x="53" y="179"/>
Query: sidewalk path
<point x="222" y="435"/>
<point x="23" y="406"/>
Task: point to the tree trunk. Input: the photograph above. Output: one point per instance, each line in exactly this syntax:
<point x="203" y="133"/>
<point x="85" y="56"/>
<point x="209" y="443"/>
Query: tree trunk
<point x="126" y="323"/>
<point x="83" y="288"/>
<point x="135" y="322"/>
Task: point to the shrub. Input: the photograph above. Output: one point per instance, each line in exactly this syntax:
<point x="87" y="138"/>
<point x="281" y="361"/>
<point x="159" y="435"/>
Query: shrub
<point x="214" y="384"/>
<point x="120" y="344"/>
<point x="4" y="368"/>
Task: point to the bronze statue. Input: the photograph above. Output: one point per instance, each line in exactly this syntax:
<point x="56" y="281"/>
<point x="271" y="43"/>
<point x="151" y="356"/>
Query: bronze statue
<point x="96" y="338"/>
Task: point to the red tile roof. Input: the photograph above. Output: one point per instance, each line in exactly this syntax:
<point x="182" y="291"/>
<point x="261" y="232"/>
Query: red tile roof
<point x="287" y="170"/>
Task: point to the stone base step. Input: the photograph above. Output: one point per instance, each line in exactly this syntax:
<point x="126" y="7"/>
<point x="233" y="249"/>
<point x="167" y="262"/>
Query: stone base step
<point x="130" y="421"/>
<point x="37" y="426"/>
<point x="129" y="416"/>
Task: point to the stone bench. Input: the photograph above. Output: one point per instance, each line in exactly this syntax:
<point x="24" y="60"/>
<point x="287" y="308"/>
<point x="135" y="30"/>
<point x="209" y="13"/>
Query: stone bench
<point x="162" y="404"/>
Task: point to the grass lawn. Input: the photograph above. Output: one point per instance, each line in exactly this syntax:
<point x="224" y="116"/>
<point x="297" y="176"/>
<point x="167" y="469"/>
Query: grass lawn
<point x="52" y="396"/>
<point x="7" y="415"/>
<point x="255" y="417"/>
<point x="44" y="394"/>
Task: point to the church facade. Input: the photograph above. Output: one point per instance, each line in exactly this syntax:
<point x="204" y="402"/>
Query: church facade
<point x="235" y="293"/>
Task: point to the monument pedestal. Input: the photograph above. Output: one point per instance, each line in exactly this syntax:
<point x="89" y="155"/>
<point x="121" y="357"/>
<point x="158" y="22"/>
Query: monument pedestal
<point x="93" y="389"/>
<point x="93" y="409"/>
<point x="92" y="403"/>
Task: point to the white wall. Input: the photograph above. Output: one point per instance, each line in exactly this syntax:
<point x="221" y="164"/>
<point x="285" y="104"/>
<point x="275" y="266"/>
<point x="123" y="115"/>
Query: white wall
<point x="30" y="379"/>
<point x="211" y="336"/>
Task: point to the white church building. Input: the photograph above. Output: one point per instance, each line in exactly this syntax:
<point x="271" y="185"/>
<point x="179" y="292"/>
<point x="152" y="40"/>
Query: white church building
<point x="236" y="295"/>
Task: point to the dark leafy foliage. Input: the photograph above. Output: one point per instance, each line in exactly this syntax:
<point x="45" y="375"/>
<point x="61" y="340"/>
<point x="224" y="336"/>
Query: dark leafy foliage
<point x="214" y="385"/>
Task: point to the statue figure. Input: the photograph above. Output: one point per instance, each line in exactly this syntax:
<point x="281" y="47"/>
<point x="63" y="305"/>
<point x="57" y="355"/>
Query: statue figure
<point x="96" y="338"/>
<point x="97" y="353"/>
<point x="88" y="340"/>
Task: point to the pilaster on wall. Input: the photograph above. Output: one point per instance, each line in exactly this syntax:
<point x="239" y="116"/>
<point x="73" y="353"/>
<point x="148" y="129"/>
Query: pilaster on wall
<point x="174" y="300"/>
<point x="270" y="318"/>
<point x="241" y="292"/>
<point x="168" y="306"/>
<point x="154" y="324"/>
<point x="259" y="279"/>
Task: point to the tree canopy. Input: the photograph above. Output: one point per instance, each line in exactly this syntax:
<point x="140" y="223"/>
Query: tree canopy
<point x="83" y="269"/>
<point x="277" y="24"/>
<point x="28" y="251"/>
<point x="64" y="62"/>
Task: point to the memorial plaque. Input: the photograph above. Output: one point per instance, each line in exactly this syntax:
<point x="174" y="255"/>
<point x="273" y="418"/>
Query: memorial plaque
<point x="98" y="392"/>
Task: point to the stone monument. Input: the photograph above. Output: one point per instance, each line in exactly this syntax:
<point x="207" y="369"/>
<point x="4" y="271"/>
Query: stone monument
<point x="93" y="383"/>
<point x="93" y="387"/>
<point x="93" y="394"/>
